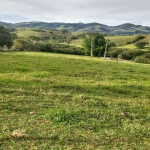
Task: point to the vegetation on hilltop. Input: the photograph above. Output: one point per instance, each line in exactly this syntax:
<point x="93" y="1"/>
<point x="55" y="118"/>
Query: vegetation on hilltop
<point x="5" y="38"/>
<point x="124" y="29"/>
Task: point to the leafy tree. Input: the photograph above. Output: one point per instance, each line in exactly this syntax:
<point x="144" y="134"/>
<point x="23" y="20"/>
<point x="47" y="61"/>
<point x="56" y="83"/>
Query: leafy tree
<point x="64" y="31"/>
<point x="99" y="45"/>
<point x="23" y="44"/>
<point x="94" y="44"/>
<point x="87" y="45"/>
<point x="14" y="36"/>
<point x="5" y="38"/>
<point x="46" y="47"/>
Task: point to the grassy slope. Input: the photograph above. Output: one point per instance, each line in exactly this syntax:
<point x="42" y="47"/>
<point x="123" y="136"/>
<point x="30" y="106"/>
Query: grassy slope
<point x="128" y="46"/>
<point x="77" y="42"/>
<point x="30" y="32"/>
<point x="120" y="41"/>
<point x="80" y="102"/>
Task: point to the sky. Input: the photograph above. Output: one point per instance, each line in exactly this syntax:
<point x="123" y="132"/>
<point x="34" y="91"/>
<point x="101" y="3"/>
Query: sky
<point x="108" y="12"/>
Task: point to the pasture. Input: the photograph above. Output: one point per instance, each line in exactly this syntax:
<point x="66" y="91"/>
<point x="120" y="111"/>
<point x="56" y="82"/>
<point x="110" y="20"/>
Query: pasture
<point x="68" y="102"/>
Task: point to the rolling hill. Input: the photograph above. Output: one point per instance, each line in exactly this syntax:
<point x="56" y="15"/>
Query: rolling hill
<point x="124" y="29"/>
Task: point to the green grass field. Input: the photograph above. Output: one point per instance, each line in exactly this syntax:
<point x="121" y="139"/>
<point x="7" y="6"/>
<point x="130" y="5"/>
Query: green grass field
<point x="79" y="103"/>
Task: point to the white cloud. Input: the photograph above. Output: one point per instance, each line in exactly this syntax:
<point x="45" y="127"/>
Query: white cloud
<point x="110" y="12"/>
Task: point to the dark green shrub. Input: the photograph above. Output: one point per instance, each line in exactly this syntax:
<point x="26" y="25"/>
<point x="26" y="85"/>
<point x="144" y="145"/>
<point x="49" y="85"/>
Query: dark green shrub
<point x="14" y="36"/>
<point x="23" y="45"/>
<point x="126" y="54"/>
<point x="5" y="38"/>
<point x="142" y="59"/>
<point x="147" y="55"/>
<point x="131" y="54"/>
<point x="34" y="38"/>
<point x="113" y="53"/>
<point x="73" y="37"/>
<point x="141" y="44"/>
<point x="39" y="30"/>
<point x="66" y="49"/>
<point x="45" y="38"/>
<point x="138" y="38"/>
<point x="46" y="47"/>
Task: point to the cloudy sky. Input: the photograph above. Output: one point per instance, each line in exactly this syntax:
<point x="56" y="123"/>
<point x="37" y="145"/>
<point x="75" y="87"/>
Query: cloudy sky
<point x="109" y="12"/>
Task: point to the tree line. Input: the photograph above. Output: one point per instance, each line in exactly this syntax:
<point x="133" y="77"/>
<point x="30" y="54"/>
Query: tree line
<point x="5" y="38"/>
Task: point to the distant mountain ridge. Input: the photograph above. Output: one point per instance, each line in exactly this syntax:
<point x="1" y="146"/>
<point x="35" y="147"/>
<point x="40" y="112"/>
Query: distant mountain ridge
<point x="123" y="29"/>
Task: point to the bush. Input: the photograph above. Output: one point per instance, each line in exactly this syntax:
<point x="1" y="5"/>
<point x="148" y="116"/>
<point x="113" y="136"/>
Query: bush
<point x="66" y="49"/>
<point x="126" y="54"/>
<point x="39" y="30"/>
<point x="5" y="38"/>
<point x="113" y="53"/>
<point x="73" y="37"/>
<point x="147" y="55"/>
<point x="131" y="54"/>
<point x="23" y="44"/>
<point x="141" y="44"/>
<point x="138" y="38"/>
<point x="142" y="59"/>
<point x="29" y="45"/>
<point x="46" y="47"/>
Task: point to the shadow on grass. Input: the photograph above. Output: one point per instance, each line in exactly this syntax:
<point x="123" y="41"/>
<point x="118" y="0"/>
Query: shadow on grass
<point x="52" y="138"/>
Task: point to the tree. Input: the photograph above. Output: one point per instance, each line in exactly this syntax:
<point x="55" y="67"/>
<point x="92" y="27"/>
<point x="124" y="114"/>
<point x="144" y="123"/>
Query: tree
<point x="141" y="44"/>
<point x="87" y="45"/>
<point x="64" y="31"/>
<point x="14" y="36"/>
<point x="5" y="38"/>
<point x="106" y="46"/>
<point x="23" y="44"/>
<point x="94" y="45"/>
<point x="100" y="44"/>
<point x="47" y="47"/>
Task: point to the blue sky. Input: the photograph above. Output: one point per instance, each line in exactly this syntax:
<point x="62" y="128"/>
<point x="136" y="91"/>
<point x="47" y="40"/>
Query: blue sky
<point x="109" y="12"/>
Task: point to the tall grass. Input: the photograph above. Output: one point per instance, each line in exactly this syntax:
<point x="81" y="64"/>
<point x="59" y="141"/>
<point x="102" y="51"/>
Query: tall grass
<point x="80" y="102"/>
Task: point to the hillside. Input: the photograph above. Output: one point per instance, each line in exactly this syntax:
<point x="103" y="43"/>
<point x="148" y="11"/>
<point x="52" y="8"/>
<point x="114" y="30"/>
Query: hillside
<point x="124" y="29"/>
<point x="66" y="42"/>
<point x="74" y="38"/>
